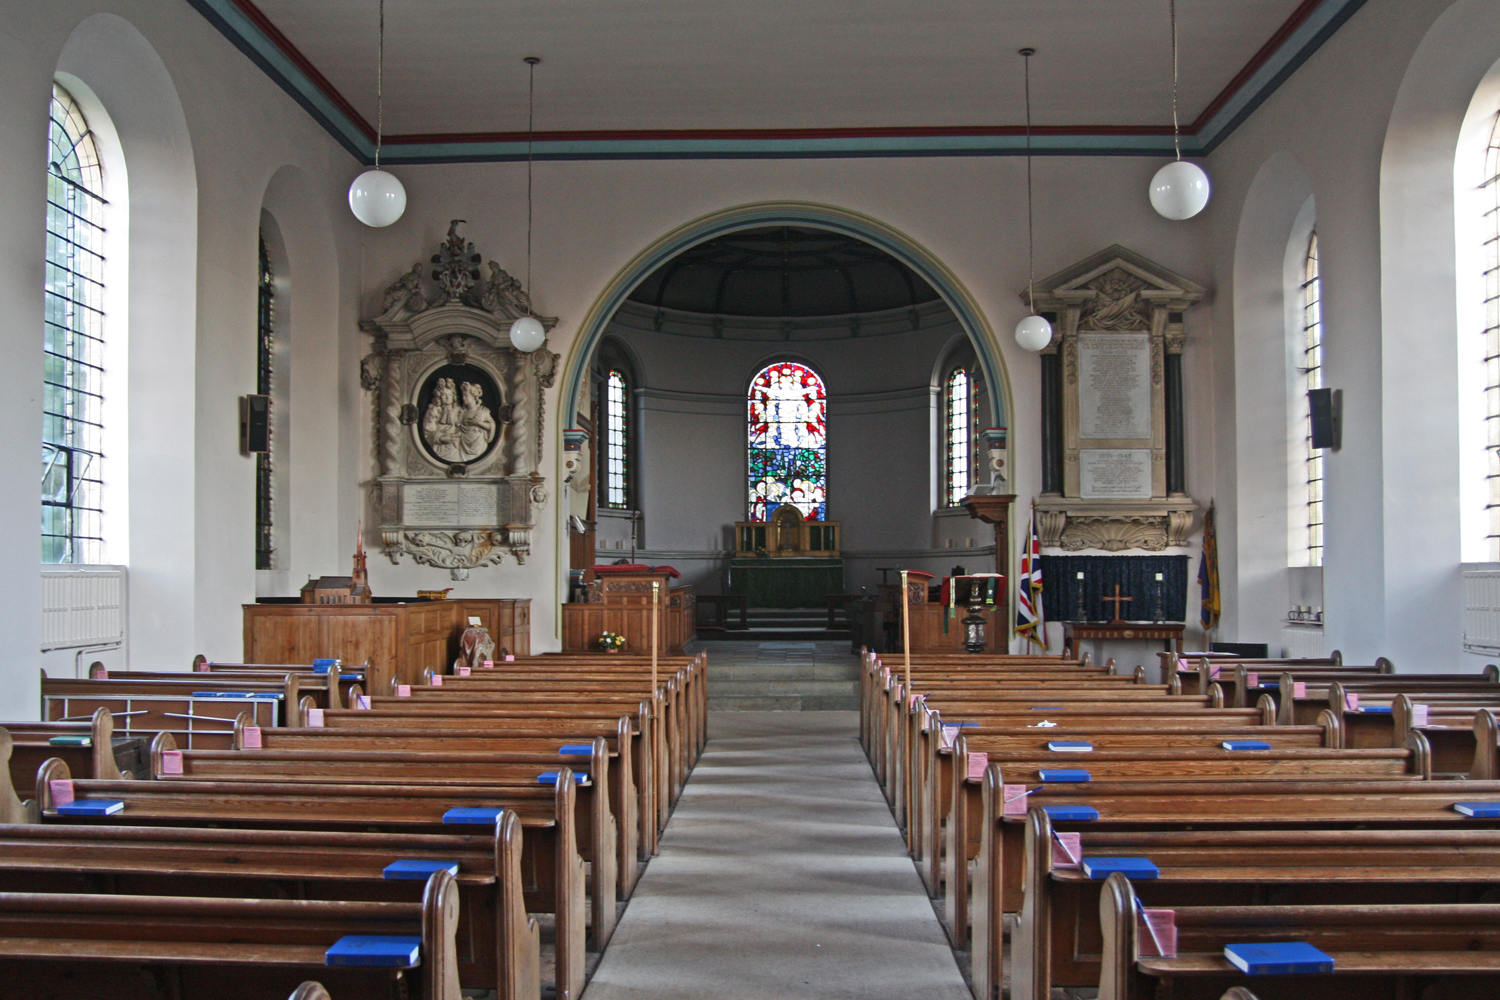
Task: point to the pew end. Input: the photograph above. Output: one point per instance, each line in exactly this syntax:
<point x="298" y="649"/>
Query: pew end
<point x="12" y="810"/>
<point x="309" y="991"/>
<point x="161" y="743"/>
<point x="1421" y="753"/>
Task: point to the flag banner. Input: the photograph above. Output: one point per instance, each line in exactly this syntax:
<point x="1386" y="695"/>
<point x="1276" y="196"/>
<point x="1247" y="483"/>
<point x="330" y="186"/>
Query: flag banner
<point x="1030" y="619"/>
<point x="1208" y="574"/>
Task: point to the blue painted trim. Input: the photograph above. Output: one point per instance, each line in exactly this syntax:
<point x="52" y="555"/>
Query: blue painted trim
<point x="1324" y="21"/>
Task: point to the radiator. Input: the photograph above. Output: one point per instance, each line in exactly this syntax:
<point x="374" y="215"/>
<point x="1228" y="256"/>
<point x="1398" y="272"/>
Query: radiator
<point x="83" y="606"/>
<point x="1482" y="610"/>
<point x="1302" y="641"/>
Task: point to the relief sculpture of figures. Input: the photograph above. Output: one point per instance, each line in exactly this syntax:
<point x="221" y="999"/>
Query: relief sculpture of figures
<point x="454" y="432"/>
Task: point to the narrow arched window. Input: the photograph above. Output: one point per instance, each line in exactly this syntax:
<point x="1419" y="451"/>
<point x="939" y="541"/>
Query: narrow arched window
<point x="265" y="374"/>
<point x="958" y="435"/>
<point x="788" y="437"/>
<point x="1312" y="378"/>
<point x="1491" y="261"/>
<point x="616" y="440"/>
<point x="72" y="481"/>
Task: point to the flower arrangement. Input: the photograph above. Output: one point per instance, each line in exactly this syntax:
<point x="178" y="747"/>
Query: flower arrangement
<point x="611" y="642"/>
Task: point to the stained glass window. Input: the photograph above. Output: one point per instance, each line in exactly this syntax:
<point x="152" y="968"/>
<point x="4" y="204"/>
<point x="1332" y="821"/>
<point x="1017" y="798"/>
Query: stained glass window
<point x="616" y="468"/>
<point x="1312" y="368"/>
<point x="73" y="342"/>
<point x="788" y="434"/>
<point x="265" y="371"/>
<point x="958" y="435"/>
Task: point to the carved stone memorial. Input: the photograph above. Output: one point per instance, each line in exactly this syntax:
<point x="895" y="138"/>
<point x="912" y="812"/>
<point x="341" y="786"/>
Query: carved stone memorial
<point x="458" y="416"/>
<point x="1113" y="469"/>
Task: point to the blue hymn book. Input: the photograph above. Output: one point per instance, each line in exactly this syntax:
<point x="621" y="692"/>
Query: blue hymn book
<point x="1065" y="775"/>
<point x="419" y="870"/>
<point x="1245" y="745"/>
<point x="1102" y="868"/>
<point x="376" y="950"/>
<point x="1058" y="812"/>
<point x="1278" y="958"/>
<point x="1070" y="746"/>
<point x="472" y="816"/>
<point x="1479" y="810"/>
<point x="92" y="807"/>
<point x="576" y="749"/>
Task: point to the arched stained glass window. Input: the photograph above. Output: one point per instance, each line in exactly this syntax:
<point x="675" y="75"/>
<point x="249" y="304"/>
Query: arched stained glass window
<point x="1312" y="373"/>
<point x="616" y="464"/>
<point x="73" y="341"/>
<point x="788" y="433"/>
<point x="958" y="435"/>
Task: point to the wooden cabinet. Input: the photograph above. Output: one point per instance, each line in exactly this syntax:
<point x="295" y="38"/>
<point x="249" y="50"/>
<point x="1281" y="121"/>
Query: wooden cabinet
<point x="399" y="639"/>
<point x="621" y="604"/>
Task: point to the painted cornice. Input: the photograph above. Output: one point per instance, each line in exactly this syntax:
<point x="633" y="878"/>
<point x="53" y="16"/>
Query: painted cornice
<point x="1308" y="27"/>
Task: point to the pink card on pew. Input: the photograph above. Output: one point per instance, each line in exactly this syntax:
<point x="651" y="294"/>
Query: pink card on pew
<point x="1419" y="715"/>
<point x="1067" y="850"/>
<point x="171" y="762"/>
<point x="976" y="764"/>
<point x="362" y="701"/>
<point x="251" y="737"/>
<point x="465" y="672"/>
<point x="62" y="791"/>
<point x="510" y="658"/>
<point x="315" y="718"/>
<point x="1351" y="701"/>
<point x="437" y="680"/>
<point x="403" y="690"/>
<point x="911" y="700"/>
<point x="1213" y="671"/>
<point x="1015" y="800"/>
<point x="1182" y="665"/>
<point x="1252" y="680"/>
<point x="489" y="664"/>
<point x="1157" y="932"/>
<point x="1299" y="689"/>
<point x="948" y="737"/>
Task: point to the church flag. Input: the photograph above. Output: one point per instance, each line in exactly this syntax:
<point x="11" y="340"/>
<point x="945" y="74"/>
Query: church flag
<point x="1030" y="619"/>
<point x="1208" y="573"/>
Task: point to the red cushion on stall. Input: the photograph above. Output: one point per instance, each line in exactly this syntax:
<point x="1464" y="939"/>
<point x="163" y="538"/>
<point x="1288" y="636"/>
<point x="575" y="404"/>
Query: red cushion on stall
<point x="669" y="571"/>
<point x="624" y="568"/>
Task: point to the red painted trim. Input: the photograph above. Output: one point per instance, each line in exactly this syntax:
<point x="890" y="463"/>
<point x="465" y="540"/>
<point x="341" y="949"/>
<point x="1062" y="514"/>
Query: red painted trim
<point x="291" y="51"/>
<point x="1291" y="24"/>
<point x="905" y="132"/>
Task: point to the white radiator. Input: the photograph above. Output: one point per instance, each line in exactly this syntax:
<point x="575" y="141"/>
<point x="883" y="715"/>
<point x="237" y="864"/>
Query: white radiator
<point x="1302" y="641"/>
<point x="1482" y="610"/>
<point x="83" y="606"/>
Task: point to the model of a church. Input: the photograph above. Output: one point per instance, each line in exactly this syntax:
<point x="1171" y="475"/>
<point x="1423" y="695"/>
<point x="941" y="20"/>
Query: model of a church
<point x="353" y="589"/>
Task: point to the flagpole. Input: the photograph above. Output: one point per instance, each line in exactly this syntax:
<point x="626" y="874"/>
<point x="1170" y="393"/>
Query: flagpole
<point x="906" y="629"/>
<point x="655" y="627"/>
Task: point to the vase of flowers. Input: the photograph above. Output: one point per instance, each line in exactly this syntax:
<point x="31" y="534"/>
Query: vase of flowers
<point x="611" y="642"/>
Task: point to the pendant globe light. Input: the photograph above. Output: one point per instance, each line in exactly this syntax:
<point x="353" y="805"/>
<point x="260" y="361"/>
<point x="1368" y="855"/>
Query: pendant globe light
<point x="376" y="197"/>
<point x="1180" y="189"/>
<point x="527" y="333"/>
<point x="1034" y="332"/>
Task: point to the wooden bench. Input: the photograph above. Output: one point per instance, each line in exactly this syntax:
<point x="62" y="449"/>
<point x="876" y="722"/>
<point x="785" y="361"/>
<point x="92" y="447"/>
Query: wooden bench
<point x="1192" y="672"/>
<point x="497" y="944"/>
<point x="547" y="815"/>
<point x="90" y="748"/>
<point x="1447" y="951"/>
<point x="193" y="948"/>
<point x="199" y="711"/>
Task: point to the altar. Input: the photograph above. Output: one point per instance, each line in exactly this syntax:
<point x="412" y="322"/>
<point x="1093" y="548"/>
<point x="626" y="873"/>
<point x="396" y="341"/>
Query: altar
<point x="786" y="562"/>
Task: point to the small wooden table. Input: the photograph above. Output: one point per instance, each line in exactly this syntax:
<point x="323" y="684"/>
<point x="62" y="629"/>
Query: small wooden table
<point x="721" y="603"/>
<point x="1074" y="632"/>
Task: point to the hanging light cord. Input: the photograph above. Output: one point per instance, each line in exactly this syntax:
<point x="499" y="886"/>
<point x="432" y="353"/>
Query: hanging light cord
<point x="1176" y="129"/>
<point x="1026" y="54"/>
<point x="380" y="88"/>
<point x="530" y="139"/>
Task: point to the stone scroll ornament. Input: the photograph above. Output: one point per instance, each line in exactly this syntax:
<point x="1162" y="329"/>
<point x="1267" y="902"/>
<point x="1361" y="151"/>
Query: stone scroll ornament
<point x="459" y="413"/>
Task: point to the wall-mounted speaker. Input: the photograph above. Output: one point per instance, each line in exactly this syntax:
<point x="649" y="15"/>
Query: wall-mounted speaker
<point x="255" y="424"/>
<point x="1326" y="408"/>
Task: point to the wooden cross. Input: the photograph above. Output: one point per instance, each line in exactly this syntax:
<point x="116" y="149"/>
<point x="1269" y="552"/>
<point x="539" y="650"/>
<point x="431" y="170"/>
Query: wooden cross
<point x="1117" y="600"/>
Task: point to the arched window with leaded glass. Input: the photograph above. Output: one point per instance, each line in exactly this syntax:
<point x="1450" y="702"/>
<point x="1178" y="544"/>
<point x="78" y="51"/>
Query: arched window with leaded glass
<point x="788" y="441"/>
<point x="1311" y="368"/>
<point x="958" y="435"/>
<point x="72" y="478"/>
<point x="1491" y="264"/>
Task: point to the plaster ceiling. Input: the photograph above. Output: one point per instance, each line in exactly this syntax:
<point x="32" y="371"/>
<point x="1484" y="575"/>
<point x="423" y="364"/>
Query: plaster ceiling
<point x="454" y="70"/>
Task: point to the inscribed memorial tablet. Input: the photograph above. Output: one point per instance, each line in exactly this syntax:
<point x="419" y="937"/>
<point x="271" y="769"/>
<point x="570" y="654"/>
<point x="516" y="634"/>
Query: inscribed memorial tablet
<point x="1114" y="473"/>
<point x="1114" y="386"/>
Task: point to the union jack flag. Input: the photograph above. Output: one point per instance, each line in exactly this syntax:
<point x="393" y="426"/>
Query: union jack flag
<point x="1031" y="620"/>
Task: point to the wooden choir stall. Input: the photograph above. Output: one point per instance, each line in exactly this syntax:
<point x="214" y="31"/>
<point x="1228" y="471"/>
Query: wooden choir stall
<point x="619" y="601"/>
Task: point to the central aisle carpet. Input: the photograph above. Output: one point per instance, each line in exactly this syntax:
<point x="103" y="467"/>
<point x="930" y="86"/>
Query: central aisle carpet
<point x="781" y="874"/>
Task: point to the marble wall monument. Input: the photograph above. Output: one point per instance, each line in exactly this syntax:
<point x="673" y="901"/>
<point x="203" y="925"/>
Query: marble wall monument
<point x="458" y="414"/>
<point x="1112" y="440"/>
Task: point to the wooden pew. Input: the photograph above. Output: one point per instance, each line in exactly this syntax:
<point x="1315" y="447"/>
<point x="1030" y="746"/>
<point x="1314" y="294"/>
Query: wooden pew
<point x="1446" y="951"/>
<point x="548" y="818"/>
<point x="496" y="943"/>
<point x="330" y="688"/>
<point x="1057" y="943"/>
<point x="151" y="707"/>
<point x="1192" y="672"/>
<point x="71" y="944"/>
<point x="96" y="752"/>
<point x="1322" y="691"/>
<point x="596" y="820"/>
<point x="309" y="991"/>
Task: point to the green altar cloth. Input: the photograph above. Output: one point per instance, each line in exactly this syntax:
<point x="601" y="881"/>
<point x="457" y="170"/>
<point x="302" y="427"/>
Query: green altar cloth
<point x="786" y="583"/>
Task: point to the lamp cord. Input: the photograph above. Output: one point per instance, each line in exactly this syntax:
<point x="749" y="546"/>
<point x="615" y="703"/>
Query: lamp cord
<point x="1030" y="232"/>
<point x="530" y="139"/>
<point x="380" y="88"/>
<point x="1176" y="129"/>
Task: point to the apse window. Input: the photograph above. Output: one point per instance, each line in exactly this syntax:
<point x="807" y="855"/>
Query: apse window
<point x="788" y="437"/>
<point x="1312" y="378"/>
<point x="616" y="456"/>
<point x="72" y="481"/>
<point x="958" y="435"/>
<point x="1491" y="262"/>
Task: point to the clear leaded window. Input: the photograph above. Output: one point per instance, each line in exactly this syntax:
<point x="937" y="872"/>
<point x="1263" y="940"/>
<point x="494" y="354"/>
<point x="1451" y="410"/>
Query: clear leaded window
<point x="616" y="436"/>
<point x="1491" y="188"/>
<point x="788" y="436"/>
<point x="1312" y="378"/>
<point x="265" y="372"/>
<point x="72" y="484"/>
<point x="957" y="435"/>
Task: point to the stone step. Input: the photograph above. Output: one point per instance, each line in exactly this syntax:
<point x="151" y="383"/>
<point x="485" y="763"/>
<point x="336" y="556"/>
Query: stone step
<point x="771" y="670"/>
<point x="797" y="686"/>
<point x="784" y="703"/>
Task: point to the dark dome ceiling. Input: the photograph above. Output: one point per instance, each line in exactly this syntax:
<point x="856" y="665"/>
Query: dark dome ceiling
<point x="783" y="271"/>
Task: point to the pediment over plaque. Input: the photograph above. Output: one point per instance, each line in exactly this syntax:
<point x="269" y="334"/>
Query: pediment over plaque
<point x="1114" y="473"/>
<point x="459" y="413"/>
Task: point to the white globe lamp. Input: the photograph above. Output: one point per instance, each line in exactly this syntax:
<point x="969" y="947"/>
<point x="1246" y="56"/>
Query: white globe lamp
<point x="527" y="334"/>
<point x="1179" y="190"/>
<point x="377" y="198"/>
<point x="1033" y="333"/>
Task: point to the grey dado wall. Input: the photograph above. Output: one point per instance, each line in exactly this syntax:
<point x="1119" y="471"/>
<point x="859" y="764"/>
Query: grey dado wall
<point x="883" y="405"/>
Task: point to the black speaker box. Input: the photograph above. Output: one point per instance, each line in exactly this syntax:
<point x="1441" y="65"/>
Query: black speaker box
<point x="1326" y="407"/>
<point x="255" y="424"/>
